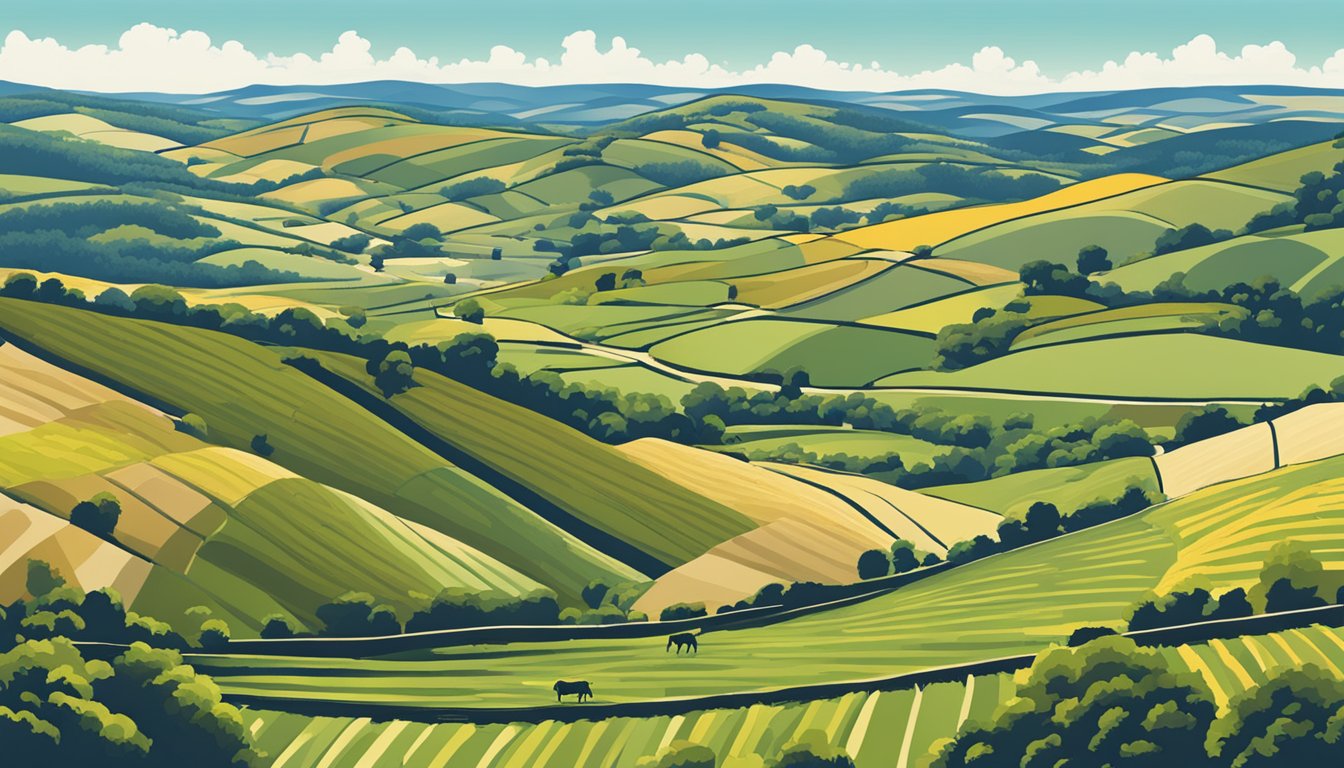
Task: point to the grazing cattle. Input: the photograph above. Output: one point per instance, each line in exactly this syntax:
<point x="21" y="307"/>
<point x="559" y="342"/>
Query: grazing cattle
<point x="566" y="687"/>
<point x="683" y="640"/>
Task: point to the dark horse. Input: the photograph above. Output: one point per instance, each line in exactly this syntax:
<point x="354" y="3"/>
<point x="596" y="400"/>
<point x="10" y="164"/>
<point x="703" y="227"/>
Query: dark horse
<point x="683" y="640"/>
<point x="565" y="688"/>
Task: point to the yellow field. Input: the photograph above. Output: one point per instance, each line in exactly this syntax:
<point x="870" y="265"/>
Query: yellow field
<point x="805" y="534"/>
<point x="794" y="286"/>
<point x="315" y="190"/>
<point x="448" y="217"/>
<point x="274" y="169"/>
<point x="93" y="129"/>
<point x="933" y="316"/>
<point x="980" y="274"/>
<point x="1312" y="433"/>
<point x="1242" y="453"/>
<point x="932" y="524"/>
<point x="937" y="228"/>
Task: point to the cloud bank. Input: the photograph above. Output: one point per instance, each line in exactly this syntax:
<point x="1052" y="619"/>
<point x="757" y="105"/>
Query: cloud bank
<point x="152" y="58"/>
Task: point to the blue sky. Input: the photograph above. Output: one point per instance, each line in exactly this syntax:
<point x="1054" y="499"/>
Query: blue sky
<point x="1060" y="36"/>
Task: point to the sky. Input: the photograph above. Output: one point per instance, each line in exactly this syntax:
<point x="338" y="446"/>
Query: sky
<point x="993" y="46"/>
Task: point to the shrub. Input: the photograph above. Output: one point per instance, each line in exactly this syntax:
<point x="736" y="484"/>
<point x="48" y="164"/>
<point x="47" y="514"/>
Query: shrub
<point x="1109" y="700"/>
<point x="194" y="425"/>
<point x="681" y="754"/>
<point x="97" y="515"/>
<point x="261" y="445"/>
<point x="277" y="626"/>
<point x="874" y="564"/>
<point x="469" y="310"/>
<point x="1295" y="718"/>
<point x="394" y="374"/>
<point x="355" y="243"/>
<point x="482" y="185"/>
<point x="356" y="614"/>
<point x="813" y="750"/>
<point x="683" y="611"/>
<point x="1092" y="259"/>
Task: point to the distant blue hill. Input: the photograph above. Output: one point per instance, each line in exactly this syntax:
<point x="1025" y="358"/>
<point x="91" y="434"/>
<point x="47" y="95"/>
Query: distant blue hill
<point x="957" y="113"/>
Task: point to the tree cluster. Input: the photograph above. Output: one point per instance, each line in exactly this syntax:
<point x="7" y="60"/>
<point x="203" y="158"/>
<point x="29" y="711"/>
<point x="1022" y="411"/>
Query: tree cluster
<point x="1112" y="703"/>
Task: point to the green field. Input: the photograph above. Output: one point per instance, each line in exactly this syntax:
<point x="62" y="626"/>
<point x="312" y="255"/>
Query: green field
<point x="243" y="390"/>
<point x="1193" y="367"/>
<point x="1066" y="487"/>
<point x="972" y="612"/>
<point x="590" y="480"/>
<point x="875" y="728"/>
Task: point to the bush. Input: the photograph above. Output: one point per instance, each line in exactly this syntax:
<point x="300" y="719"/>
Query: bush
<point x="469" y="310"/>
<point x="683" y="611"/>
<point x="145" y="708"/>
<point x="394" y="374"/>
<point x="98" y="515"/>
<point x="454" y="608"/>
<point x="1109" y="700"/>
<point x="813" y="750"/>
<point x="873" y="564"/>
<point x="678" y="173"/>
<point x="356" y="614"/>
<point x="355" y="243"/>
<point x="1093" y="259"/>
<point x="214" y="635"/>
<point x="194" y="425"/>
<point x="681" y="754"/>
<point x="277" y="626"/>
<point x="1295" y="718"/>
<point x="261" y="445"/>
<point x="1210" y="421"/>
<point x="483" y="185"/>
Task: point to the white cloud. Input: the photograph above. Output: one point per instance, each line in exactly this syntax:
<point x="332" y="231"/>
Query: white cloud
<point x="151" y="58"/>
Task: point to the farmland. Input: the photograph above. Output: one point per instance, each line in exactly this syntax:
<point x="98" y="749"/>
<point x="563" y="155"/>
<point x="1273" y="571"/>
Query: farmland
<point x="848" y="387"/>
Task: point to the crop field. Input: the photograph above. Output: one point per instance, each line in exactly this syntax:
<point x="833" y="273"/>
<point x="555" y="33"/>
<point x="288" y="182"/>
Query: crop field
<point x="969" y="613"/>
<point x="314" y="431"/>
<point x="1233" y="665"/>
<point x="877" y="729"/>
<point x="565" y="467"/>
<point x="795" y="257"/>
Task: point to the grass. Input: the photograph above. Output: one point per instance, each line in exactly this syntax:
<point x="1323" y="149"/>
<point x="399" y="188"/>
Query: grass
<point x="972" y="612"/>
<point x="1066" y="487"/>
<point x="243" y="390"/>
<point x="822" y="440"/>
<point x="1194" y="366"/>
<point x="824" y="350"/>
<point x="871" y="726"/>
<point x="889" y="291"/>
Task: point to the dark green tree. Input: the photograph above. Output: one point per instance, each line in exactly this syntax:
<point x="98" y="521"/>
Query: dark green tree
<point x="1093" y="259"/>
<point x="98" y="515"/>
<point x="874" y="563"/>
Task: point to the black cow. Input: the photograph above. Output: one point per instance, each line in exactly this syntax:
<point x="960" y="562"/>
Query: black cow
<point x="566" y="687"/>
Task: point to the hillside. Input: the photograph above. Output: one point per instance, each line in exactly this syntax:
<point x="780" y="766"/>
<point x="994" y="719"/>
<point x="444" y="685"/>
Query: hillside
<point x="763" y="419"/>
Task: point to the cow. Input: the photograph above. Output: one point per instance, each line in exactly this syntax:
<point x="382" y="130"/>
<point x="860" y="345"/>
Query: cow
<point x="567" y="687"/>
<point x="684" y="640"/>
